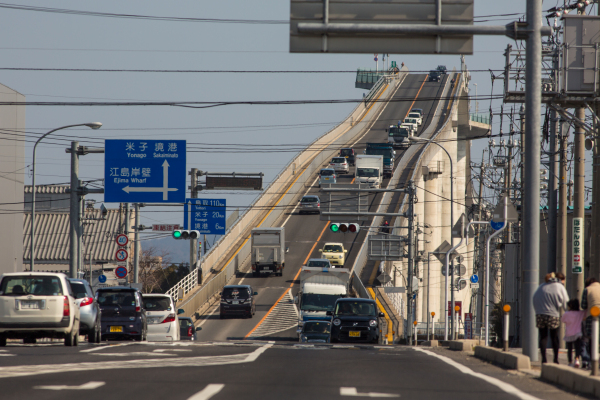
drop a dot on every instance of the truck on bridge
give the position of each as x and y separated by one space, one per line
398 135
369 170
319 290
387 151
268 250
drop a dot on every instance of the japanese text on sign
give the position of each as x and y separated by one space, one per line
577 261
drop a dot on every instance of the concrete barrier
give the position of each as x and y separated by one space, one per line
571 378
463 345
507 360
431 343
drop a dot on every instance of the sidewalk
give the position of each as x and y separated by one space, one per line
537 365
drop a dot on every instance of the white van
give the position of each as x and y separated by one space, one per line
38 305
161 315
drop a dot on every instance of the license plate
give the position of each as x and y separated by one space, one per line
235 302
354 333
116 329
30 305
266 269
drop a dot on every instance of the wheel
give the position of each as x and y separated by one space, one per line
255 274
30 340
2 341
93 334
300 212
138 338
221 316
72 339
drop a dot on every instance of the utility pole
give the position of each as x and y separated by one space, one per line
81 211
411 254
595 229
74 224
552 179
531 204
579 209
193 242
479 306
561 248
136 246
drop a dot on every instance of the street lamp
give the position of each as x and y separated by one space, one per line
93 125
423 140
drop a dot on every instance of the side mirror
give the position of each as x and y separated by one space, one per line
199 328
320 250
180 311
296 300
345 251
381 315
386 129
220 293
255 294
287 249
299 331
330 313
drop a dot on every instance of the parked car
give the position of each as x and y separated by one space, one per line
310 204
161 316
122 313
237 300
314 332
355 320
319 263
89 310
335 253
340 165
187 330
348 153
37 305
327 175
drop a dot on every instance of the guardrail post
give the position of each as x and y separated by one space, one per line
595 312
415 323
506 309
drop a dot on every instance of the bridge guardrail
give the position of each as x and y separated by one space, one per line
304 164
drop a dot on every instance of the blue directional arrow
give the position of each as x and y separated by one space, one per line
474 279
497 225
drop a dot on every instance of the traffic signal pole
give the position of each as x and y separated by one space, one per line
193 241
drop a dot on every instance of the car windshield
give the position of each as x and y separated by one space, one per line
318 302
318 263
367 172
338 160
386 152
414 115
235 293
361 308
317 327
157 303
35 285
395 131
332 248
114 298
78 289
410 120
327 172
346 152
309 199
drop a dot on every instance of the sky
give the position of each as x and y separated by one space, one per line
57 40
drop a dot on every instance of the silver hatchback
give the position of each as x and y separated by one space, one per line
88 309
310 204
340 165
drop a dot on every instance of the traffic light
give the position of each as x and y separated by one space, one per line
185 234
344 227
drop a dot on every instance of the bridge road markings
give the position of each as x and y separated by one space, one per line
86 386
291 285
105 346
350 391
506 387
208 392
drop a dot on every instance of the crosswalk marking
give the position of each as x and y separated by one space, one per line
283 317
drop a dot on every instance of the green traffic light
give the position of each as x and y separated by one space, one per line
177 234
334 227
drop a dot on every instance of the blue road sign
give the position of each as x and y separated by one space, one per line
121 272
102 279
496 225
474 279
205 215
149 171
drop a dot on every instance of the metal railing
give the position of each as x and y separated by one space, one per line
482 118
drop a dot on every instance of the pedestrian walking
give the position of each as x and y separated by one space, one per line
548 300
573 320
589 298
386 227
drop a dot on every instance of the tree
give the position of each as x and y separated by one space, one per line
151 268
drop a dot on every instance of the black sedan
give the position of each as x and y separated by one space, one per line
355 320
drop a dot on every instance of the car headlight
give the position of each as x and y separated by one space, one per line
336 322
340 257
373 322
304 338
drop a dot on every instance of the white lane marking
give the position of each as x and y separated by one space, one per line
163 350
508 388
134 354
208 392
350 391
86 386
6 355
30 370
283 317
104 346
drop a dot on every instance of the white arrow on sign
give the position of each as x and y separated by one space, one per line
86 386
165 189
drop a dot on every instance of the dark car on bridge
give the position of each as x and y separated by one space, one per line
348 152
237 300
122 313
314 332
434 76
355 320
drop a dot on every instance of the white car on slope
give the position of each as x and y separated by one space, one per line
161 315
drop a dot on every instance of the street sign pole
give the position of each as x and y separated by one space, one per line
194 195
74 212
136 245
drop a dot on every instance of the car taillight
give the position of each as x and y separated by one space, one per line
66 308
190 333
86 301
138 308
318 204
170 318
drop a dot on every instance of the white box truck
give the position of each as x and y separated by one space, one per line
369 170
268 250
319 289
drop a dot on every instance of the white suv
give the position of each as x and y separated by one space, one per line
162 317
37 305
